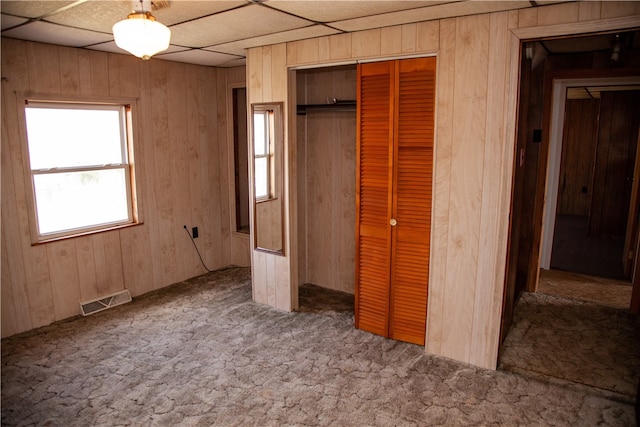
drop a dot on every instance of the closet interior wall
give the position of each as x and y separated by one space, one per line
326 166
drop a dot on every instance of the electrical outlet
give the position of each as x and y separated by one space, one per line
194 232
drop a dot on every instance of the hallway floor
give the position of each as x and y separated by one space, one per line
609 292
577 330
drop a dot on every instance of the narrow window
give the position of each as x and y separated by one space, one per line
263 154
79 158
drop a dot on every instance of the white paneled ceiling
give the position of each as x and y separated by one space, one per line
217 32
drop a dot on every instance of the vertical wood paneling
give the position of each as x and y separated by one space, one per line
10 320
267 82
428 36
528 17
340 45
616 9
64 278
365 43
299 52
86 268
589 10
578 156
278 74
69 70
558 14
469 101
391 40
488 302
44 68
446 73
176 141
196 113
409 32
113 261
164 243
324 49
40 61
178 146
100 262
267 87
219 231
14 293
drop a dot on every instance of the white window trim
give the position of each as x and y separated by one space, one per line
131 168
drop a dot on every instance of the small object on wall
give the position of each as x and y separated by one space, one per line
537 135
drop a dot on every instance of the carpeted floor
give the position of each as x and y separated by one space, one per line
200 353
578 341
600 290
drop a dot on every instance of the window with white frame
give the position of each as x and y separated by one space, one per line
263 154
79 162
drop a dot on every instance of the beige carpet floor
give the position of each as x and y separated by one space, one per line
600 290
201 353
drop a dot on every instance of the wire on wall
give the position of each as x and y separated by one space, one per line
197 250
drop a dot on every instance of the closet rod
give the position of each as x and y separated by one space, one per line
336 105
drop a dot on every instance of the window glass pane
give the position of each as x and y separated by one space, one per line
261 178
65 137
260 136
67 201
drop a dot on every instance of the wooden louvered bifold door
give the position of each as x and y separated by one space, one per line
413 167
373 196
395 194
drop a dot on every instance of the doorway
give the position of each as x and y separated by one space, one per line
533 207
593 149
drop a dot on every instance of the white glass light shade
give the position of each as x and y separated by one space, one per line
141 35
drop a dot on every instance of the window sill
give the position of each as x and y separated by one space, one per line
85 233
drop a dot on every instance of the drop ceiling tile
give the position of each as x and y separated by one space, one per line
238 47
246 22
332 10
31 9
100 15
93 15
187 10
9 21
197 56
235 63
439 11
56 34
113 48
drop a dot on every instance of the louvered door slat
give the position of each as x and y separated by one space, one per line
412 210
373 194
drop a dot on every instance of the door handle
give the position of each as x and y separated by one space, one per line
393 222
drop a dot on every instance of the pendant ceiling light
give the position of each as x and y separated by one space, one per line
141 35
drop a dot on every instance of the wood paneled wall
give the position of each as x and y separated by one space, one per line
327 179
181 160
475 132
272 275
615 159
578 156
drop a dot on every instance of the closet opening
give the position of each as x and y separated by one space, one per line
326 176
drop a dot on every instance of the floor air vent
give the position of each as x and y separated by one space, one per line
102 303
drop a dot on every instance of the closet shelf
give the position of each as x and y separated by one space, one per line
337 105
